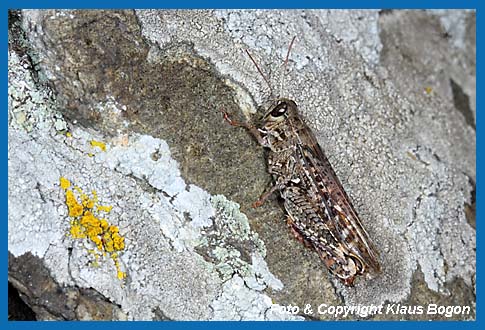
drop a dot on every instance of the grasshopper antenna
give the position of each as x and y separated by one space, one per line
260 72
285 65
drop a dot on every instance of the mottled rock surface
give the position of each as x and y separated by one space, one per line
127 103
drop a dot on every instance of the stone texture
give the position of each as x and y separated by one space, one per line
390 96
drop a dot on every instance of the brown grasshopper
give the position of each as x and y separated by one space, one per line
320 213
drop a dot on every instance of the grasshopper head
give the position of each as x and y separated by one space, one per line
280 110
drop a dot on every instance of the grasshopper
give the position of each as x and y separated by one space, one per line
320 213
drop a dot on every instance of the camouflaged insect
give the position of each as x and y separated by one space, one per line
320 213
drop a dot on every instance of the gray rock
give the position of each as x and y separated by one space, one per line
390 96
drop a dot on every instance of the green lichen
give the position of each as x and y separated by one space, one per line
231 241
30 105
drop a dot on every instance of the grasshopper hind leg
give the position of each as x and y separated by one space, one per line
296 233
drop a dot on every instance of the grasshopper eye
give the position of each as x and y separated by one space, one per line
279 110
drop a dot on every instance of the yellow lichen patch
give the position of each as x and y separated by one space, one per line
428 90
77 232
87 224
119 273
65 183
102 208
69 134
104 224
98 144
75 209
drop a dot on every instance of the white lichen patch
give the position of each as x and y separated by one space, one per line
29 110
238 302
261 276
444 253
146 158
180 209
196 203
110 106
454 23
359 28
29 107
